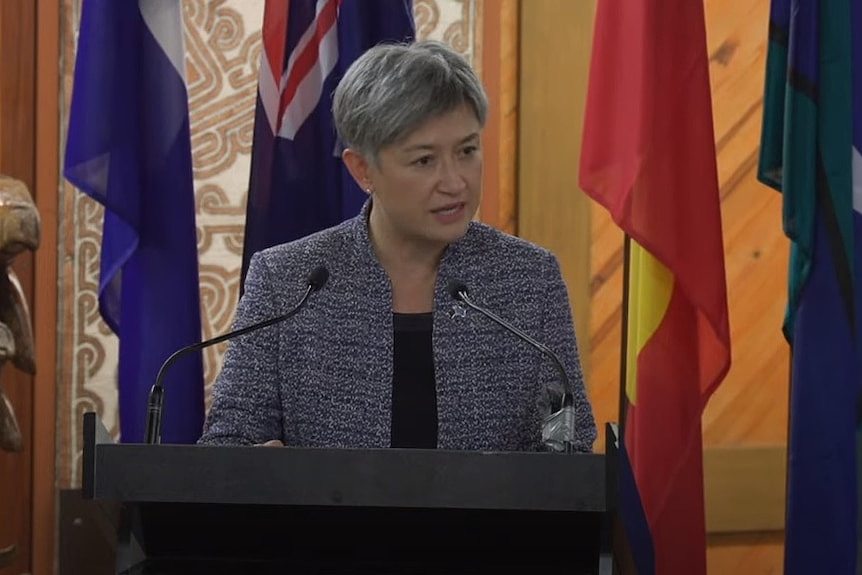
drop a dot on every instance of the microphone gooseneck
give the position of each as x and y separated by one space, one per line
316 280
458 290
559 427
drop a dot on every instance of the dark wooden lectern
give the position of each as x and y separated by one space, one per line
202 509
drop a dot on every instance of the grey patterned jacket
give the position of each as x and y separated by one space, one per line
324 377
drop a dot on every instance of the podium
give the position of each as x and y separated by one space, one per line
212 509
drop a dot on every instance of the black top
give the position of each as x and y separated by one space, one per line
414 392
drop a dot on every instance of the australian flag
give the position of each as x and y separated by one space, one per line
129 149
298 184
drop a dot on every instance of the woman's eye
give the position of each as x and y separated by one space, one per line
469 150
423 161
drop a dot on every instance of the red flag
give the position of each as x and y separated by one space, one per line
649 158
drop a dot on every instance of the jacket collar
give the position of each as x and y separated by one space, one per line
365 250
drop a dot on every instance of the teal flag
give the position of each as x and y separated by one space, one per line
810 143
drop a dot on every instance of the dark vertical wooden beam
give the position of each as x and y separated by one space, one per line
45 296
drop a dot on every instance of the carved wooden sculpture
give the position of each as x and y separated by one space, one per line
19 231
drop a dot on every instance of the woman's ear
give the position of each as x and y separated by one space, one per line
359 168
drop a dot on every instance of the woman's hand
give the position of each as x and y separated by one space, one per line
270 443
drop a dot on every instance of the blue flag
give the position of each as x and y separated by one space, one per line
810 152
129 149
298 183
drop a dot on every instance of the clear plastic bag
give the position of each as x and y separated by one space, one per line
558 428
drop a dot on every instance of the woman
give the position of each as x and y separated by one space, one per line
383 355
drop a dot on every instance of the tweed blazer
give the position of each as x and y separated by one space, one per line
324 377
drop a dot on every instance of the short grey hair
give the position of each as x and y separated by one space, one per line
393 88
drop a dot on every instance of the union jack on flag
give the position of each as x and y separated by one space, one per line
298 184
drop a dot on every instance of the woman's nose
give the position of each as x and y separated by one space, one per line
451 179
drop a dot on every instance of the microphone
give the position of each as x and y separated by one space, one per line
558 427
316 280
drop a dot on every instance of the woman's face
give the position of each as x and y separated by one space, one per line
426 188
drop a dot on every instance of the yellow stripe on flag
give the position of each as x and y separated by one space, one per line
650 287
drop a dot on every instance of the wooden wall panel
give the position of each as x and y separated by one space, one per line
17 85
44 310
750 407
748 414
499 66
556 40
748 554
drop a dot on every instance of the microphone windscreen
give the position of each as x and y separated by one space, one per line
318 277
456 288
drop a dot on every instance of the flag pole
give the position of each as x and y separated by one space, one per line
623 404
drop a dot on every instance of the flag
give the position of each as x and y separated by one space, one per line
298 183
129 149
648 156
810 152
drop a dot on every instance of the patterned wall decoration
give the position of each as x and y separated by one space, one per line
223 47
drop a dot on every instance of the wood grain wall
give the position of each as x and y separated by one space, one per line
745 424
556 39
499 70
29 151
17 160
748 413
45 295
750 407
